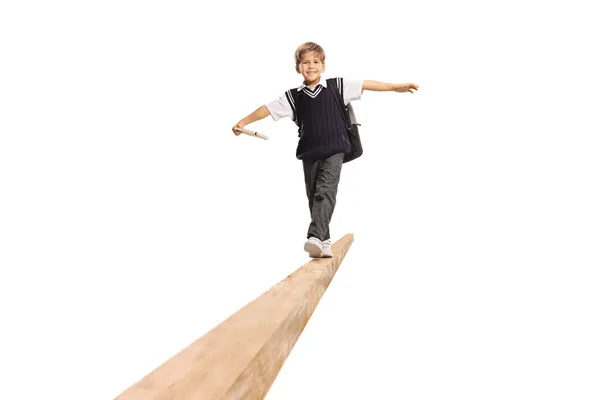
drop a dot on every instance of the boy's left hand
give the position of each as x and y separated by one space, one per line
406 87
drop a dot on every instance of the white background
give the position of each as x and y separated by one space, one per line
132 220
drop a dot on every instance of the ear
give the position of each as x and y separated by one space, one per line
323 67
297 68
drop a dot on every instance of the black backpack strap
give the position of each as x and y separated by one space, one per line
337 84
340 85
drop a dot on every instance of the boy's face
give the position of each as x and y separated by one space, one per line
311 68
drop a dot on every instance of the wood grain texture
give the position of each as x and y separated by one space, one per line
241 357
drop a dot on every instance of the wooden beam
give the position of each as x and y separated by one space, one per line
241 357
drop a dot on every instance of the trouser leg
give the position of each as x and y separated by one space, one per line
322 178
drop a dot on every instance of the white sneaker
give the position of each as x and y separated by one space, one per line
314 247
327 249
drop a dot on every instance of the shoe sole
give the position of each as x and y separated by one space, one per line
327 255
313 250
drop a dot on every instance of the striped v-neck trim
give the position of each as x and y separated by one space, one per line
313 93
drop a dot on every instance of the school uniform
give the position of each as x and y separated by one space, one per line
323 141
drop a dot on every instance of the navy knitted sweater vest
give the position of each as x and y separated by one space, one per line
320 125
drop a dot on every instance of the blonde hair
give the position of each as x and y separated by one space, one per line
307 48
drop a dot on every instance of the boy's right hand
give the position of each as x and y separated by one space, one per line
238 125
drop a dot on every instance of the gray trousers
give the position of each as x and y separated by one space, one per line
321 178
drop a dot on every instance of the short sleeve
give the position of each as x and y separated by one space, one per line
280 108
352 90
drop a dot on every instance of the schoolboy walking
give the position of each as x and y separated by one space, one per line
323 135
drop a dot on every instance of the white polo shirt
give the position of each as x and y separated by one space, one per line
281 108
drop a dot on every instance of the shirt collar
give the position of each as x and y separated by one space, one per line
322 82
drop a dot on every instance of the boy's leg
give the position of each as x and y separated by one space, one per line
313 245
324 179
311 172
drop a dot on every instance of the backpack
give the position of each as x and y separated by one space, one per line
349 119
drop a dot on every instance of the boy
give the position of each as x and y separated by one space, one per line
323 135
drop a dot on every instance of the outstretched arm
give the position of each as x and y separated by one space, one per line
388 87
260 113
